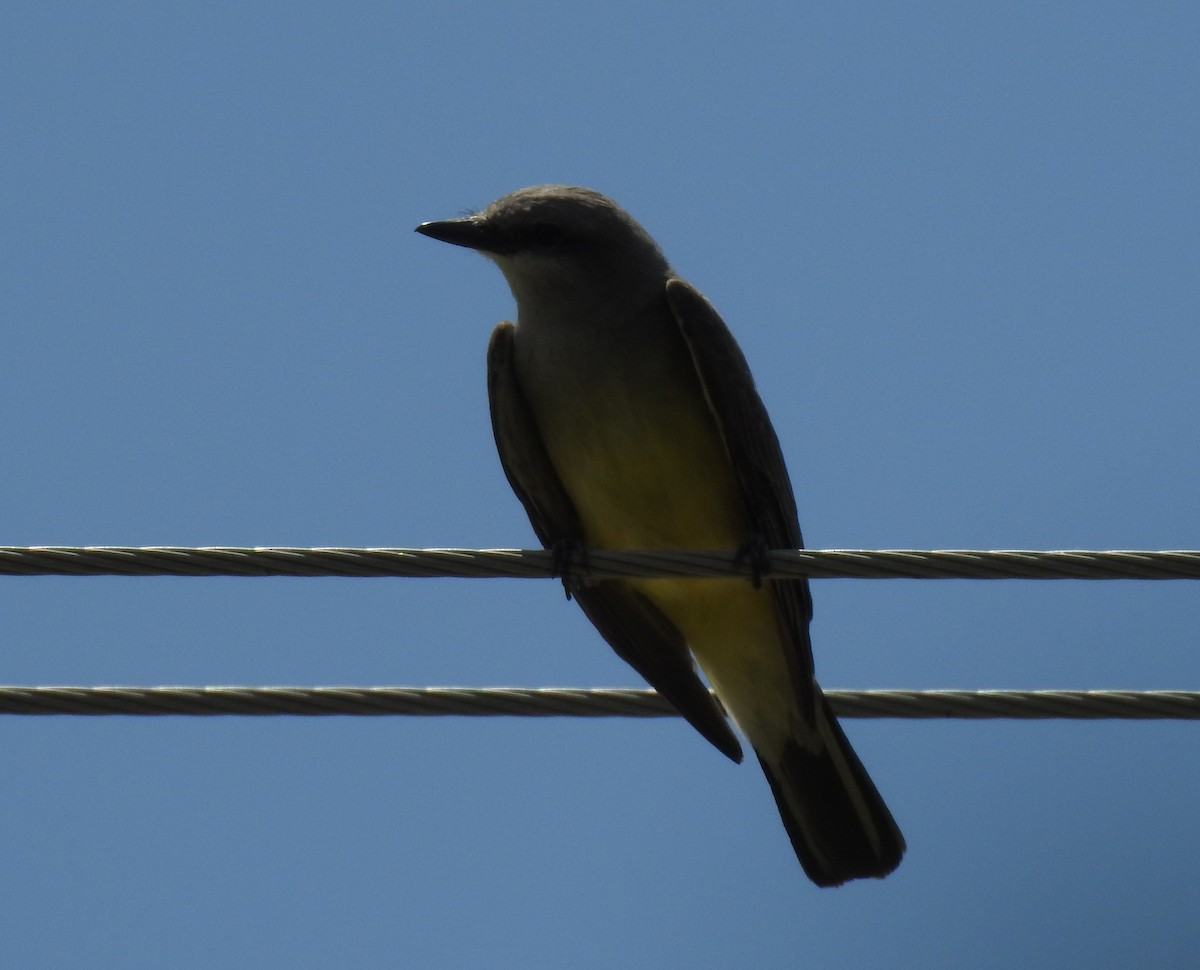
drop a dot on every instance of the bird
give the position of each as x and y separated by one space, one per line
626 417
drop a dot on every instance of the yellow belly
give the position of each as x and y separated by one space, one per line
670 485
650 477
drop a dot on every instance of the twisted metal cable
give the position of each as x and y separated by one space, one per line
597 564
552 702
355 701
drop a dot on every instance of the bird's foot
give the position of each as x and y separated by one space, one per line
755 552
565 556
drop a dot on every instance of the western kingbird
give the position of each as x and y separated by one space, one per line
626 418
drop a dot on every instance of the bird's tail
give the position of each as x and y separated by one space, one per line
838 823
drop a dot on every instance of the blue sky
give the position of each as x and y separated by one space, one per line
959 248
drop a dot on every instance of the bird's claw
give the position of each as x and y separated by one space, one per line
755 552
565 554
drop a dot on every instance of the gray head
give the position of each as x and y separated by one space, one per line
560 242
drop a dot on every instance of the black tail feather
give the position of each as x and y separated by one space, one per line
838 823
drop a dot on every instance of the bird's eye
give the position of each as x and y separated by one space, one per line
547 234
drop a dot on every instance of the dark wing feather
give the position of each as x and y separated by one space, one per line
522 455
757 460
632 625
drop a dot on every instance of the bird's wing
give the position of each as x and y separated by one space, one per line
757 460
640 634
522 455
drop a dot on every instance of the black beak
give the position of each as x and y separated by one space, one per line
467 232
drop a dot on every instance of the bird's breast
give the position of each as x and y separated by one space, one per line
625 422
